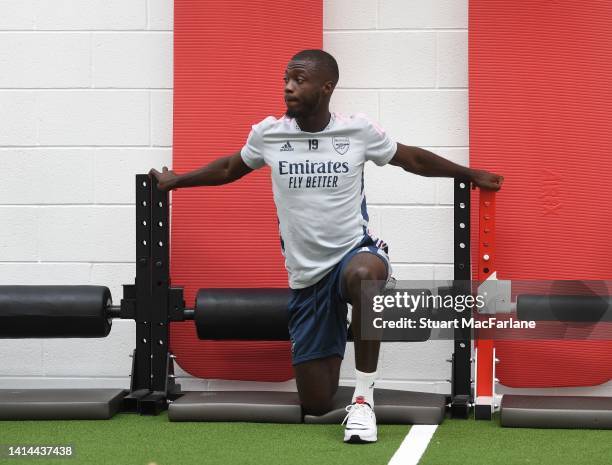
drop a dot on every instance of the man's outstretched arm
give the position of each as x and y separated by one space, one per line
220 171
425 163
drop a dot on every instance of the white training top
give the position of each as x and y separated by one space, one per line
317 180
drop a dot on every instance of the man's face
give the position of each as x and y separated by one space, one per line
304 88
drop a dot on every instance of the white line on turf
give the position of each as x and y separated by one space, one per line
414 445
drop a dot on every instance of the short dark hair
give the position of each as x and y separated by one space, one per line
323 60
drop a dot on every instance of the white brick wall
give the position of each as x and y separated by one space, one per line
86 94
405 64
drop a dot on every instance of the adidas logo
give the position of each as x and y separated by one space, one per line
286 147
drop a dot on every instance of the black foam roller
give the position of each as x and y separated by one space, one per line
54 311
570 308
252 314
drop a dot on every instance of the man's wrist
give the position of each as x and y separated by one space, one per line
465 172
174 183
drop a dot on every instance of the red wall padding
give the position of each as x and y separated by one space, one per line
229 59
541 114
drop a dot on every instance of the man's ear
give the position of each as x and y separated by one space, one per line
329 87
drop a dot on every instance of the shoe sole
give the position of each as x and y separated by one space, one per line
359 439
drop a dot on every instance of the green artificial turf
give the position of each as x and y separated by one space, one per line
130 439
470 442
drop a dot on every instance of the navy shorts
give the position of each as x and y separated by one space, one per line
318 324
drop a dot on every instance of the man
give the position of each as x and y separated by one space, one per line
316 160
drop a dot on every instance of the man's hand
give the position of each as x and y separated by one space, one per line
165 180
486 180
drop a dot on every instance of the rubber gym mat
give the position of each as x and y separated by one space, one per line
229 60
540 106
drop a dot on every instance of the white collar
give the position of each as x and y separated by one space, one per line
332 118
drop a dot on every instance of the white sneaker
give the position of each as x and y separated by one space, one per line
360 422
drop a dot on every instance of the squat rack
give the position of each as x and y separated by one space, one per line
154 303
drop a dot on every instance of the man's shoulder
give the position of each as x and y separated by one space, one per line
358 120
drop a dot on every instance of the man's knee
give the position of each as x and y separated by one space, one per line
361 273
370 275
318 405
364 272
317 382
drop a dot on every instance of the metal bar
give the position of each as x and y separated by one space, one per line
461 360
160 276
141 376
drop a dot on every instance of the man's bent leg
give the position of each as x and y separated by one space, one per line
363 278
367 273
317 383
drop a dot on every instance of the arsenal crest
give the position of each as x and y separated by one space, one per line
341 144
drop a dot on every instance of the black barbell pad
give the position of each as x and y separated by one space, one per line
570 308
54 311
249 314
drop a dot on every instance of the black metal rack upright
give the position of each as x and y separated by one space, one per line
461 383
150 300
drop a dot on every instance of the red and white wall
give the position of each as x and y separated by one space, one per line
86 99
